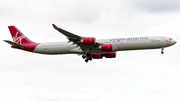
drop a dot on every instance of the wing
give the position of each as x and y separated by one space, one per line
77 40
72 37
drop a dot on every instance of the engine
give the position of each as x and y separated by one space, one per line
106 47
110 55
88 41
97 56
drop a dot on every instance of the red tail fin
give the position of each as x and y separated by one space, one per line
18 36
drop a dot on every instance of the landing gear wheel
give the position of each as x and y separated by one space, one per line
83 56
86 60
87 56
162 52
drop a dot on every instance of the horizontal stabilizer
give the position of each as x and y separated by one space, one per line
14 44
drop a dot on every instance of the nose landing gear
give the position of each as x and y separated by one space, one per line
162 52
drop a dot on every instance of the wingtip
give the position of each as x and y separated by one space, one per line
54 26
5 40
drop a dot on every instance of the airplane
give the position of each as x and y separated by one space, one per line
88 47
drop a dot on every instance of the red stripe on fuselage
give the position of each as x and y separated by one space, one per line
30 46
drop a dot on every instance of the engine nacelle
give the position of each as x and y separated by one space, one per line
97 56
106 47
110 55
88 41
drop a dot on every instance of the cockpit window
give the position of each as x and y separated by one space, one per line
170 38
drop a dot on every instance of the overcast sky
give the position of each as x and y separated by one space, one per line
141 75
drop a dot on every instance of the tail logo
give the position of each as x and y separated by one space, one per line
17 39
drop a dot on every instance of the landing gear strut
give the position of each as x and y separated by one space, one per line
162 52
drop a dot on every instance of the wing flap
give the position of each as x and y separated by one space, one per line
14 44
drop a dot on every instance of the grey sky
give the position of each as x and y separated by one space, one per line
157 6
143 75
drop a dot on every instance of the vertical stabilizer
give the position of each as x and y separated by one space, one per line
18 36
20 40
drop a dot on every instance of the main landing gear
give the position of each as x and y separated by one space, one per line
87 57
162 52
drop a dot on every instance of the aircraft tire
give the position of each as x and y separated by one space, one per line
83 56
86 60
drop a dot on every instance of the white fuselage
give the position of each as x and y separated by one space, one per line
119 44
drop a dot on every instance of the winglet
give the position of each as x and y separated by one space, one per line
54 26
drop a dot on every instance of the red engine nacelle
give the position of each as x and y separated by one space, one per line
88 41
110 55
97 56
106 47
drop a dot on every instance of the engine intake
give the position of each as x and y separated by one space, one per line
88 41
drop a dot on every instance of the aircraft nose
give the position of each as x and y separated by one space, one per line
174 42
